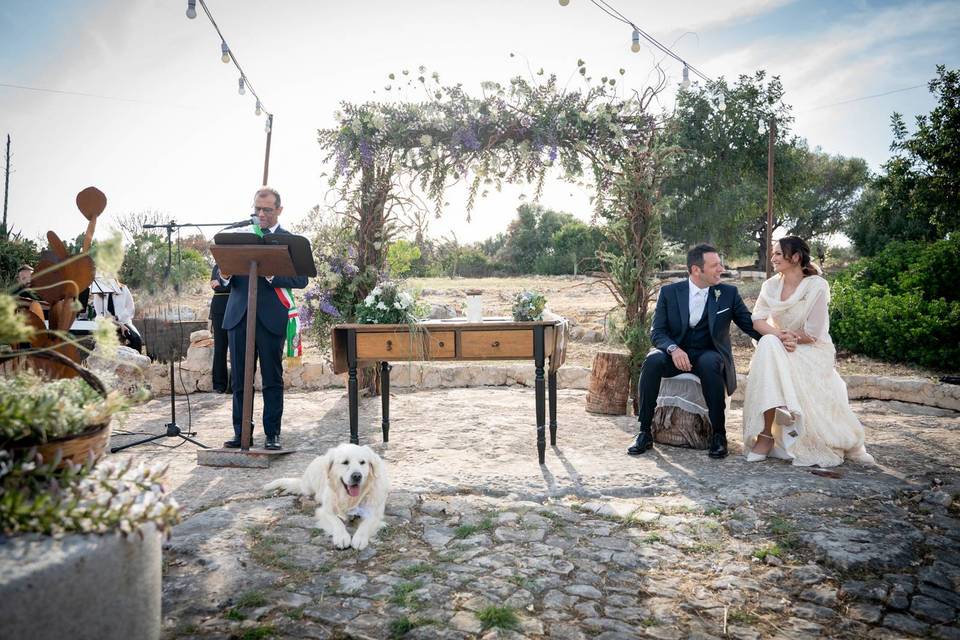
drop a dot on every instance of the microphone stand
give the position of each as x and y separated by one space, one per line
172 429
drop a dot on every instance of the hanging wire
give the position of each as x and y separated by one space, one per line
612 11
229 51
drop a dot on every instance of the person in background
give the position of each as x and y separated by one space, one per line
24 277
113 299
218 306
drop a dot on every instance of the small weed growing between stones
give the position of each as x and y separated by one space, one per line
523 582
653 538
781 526
252 599
739 616
712 511
649 622
494 617
234 614
467 530
295 614
402 626
402 593
266 551
415 570
258 633
769 550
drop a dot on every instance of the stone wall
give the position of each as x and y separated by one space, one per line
193 374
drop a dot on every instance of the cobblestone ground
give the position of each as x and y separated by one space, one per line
481 541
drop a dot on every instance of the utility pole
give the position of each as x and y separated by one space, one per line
6 189
767 251
266 155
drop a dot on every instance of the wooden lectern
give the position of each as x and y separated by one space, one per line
255 260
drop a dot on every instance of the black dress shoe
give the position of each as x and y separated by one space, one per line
273 443
643 442
235 443
718 446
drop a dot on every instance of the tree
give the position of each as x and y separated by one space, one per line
916 196
529 237
830 188
14 252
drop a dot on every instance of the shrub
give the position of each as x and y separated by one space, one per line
145 265
14 252
899 305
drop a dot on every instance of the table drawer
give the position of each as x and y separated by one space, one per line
496 344
390 346
405 346
442 345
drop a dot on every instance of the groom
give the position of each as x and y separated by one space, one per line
691 333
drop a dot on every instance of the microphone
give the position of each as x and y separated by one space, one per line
253 219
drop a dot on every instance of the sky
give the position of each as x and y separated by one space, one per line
161 127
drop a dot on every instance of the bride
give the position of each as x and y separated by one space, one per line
796 403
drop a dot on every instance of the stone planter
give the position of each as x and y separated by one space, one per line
81 586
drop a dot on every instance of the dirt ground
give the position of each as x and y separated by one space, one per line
583 300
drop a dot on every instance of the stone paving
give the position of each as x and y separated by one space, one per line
481 541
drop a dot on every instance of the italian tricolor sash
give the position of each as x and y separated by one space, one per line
294 346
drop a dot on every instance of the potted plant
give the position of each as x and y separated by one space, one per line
84 533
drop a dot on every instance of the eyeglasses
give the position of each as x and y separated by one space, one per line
266 210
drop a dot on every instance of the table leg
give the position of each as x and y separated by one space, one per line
385 399
552 395
352 385
538 357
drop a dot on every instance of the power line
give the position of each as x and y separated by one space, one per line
93 95
875 95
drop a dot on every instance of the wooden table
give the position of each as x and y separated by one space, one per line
444 341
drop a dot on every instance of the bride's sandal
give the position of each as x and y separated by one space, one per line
758 457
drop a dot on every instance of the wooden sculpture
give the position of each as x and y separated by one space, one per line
59 279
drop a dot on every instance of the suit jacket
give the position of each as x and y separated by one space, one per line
218 302
671 320
270 311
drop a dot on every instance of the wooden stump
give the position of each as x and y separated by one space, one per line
609 383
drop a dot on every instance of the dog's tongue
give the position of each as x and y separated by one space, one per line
353 490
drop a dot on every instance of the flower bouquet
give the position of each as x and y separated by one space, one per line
528 306
387 303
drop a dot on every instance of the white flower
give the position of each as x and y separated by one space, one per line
381 306
426 140
396 305
369 300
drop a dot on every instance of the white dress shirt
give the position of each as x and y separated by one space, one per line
698 302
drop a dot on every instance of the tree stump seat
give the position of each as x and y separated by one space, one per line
609 383
681 418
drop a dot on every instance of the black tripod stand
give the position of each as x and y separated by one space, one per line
173 429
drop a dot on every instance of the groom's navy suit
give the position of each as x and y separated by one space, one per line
270 336
707 344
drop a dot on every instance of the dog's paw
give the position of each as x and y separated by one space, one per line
360 541
341 539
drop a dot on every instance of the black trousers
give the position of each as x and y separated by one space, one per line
707 365
269 357
221 380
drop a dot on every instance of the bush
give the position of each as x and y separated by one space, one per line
900 306
14 252
145 265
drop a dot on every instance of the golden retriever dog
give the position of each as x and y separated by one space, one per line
347 481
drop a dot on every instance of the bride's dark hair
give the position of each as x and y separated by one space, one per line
791 245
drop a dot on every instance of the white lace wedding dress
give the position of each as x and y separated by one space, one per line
821 429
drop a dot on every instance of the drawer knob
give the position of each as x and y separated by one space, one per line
389 345
440 343
496 343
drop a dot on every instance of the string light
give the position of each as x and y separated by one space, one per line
611 11
564 3
259 110
191 9
241 90
721 102
226 52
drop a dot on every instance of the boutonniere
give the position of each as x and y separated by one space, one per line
716 294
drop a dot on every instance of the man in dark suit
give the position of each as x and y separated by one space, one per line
271 329
218 307
691 333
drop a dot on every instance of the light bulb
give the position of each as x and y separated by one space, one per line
241 90
226 52
191 9
268 125
721 102
564 3
259 110
686 77
635 47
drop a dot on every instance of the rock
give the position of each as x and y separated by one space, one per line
950 598
466 621
898 598
864 612
584 591
873 591
943 632
905 624
932 610
850 549
826 596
